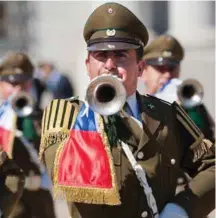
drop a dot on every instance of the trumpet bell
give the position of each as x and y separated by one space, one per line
190 93
23 104
106 95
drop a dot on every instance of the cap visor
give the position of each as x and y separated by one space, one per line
15 78
107 46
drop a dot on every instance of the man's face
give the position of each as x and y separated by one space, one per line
122 63
155 77
45 71
7 89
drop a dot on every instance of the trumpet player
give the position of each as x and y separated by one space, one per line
19 139
16 76
123 163
163 57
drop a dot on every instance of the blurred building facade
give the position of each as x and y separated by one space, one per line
53 31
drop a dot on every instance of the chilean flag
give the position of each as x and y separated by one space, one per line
84 161
7 126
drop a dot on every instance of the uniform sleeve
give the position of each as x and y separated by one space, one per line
199 162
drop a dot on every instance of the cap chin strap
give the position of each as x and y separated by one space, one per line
141 175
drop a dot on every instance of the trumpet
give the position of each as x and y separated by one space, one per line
22 103
190 93
106 95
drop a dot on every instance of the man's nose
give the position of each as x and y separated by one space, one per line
110 64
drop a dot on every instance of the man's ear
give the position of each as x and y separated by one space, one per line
141 67
87 63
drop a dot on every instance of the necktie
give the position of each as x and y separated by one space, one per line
127 108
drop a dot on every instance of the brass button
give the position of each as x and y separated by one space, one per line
173 161
144 214
180 180
140 155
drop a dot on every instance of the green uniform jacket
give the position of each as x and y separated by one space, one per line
166 145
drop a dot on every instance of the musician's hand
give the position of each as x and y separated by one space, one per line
172 210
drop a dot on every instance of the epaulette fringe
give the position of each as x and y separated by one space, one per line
202 149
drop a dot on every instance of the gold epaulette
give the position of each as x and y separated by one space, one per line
199 146
57 119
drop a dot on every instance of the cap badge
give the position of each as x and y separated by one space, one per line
11 78
167 54
18 71
111 32
110 10
160 59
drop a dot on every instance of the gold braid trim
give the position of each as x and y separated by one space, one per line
86 195
52 138
108 196
114 192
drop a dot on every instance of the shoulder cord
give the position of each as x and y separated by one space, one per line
141 175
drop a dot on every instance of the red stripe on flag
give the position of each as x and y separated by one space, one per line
84 161
5 136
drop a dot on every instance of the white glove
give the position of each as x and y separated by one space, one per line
172 210
32 182
35 182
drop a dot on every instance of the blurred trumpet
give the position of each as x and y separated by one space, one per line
22 103
190 93
106 94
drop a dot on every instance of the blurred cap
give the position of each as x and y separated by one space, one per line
16 67
113 27
164 50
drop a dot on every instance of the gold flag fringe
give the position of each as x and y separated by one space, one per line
87 195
